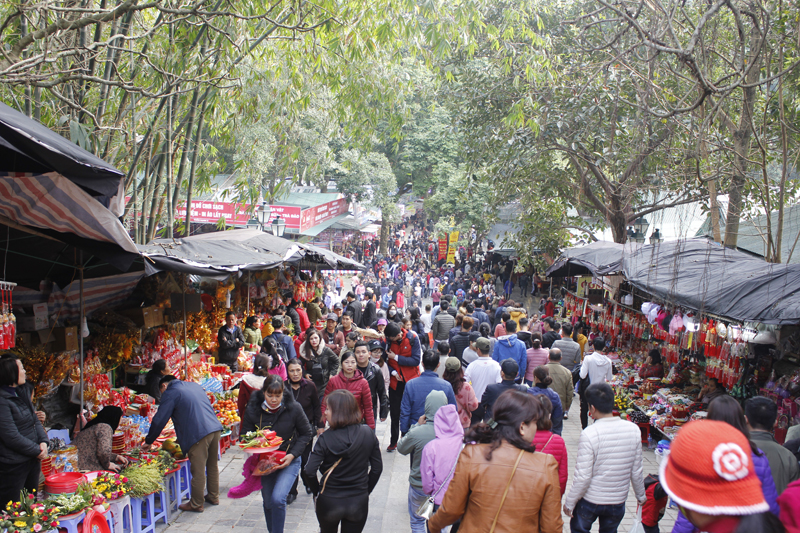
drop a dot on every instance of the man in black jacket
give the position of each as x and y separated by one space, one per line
508 371
354 306
372 373
551 335
370 314
230 338
460 341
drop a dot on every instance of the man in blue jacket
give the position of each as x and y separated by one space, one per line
510 347
284 340
416 392
197 429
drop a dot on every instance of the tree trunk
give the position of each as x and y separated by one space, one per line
195 151
384 233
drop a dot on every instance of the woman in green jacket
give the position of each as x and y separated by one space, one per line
252 334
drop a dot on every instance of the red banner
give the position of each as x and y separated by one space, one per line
313 216
207 212
290 214
442 248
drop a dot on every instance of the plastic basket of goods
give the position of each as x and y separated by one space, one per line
260 441
64 483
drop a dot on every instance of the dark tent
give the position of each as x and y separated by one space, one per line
590 259
707 277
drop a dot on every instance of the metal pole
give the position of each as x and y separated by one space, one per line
248 295
185 347
551 288
80 333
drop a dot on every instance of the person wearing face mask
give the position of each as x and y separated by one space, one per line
393 314
274 408
23 441
372 373
350 378
304 393
376 355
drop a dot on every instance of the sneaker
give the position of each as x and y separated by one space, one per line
391 448
566 416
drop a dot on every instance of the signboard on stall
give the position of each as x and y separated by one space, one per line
291 214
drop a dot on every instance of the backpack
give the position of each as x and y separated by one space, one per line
281 349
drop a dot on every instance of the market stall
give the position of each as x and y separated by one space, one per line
717 318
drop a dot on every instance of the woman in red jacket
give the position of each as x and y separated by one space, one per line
548 442
350 378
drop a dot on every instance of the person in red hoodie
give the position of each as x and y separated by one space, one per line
548 442
403 354
350 378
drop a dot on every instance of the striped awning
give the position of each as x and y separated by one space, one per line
65 303
56 205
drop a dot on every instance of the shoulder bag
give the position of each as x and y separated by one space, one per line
426 509
505 493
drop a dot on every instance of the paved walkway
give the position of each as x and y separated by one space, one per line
388 504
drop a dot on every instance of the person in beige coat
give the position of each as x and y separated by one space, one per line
501 484
562 380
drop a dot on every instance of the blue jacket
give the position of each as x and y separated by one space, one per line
287 343
416 392
510 347
557 416
481 318
191 412
764 473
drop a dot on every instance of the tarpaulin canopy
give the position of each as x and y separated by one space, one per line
707 277
588 260
205 257
64 304
28 146
291 252
45 219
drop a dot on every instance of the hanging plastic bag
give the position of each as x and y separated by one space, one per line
638 527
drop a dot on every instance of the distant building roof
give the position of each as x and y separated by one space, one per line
752 236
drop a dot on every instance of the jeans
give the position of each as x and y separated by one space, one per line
584 412
415 499
585 513
274 489
395 399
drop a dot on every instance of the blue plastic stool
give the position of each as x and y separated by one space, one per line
120 515
184 478
173 492
72 522
146 513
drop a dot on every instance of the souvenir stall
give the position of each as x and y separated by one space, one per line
745 350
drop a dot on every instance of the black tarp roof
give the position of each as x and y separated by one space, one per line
708 277
28 146
226 252
588 260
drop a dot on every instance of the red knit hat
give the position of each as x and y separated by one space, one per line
710 470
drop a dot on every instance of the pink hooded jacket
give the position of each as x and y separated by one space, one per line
440 454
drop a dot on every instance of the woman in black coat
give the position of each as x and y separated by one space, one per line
23 441
274 407
348 456
305 393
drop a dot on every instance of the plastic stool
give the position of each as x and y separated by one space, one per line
71 522
173 492
146 514
118 522
184 477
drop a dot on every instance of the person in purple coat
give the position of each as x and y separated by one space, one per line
440 455
726 409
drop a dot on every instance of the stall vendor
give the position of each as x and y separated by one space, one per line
252 334
94 442
231 339
153 379
652 366
710 390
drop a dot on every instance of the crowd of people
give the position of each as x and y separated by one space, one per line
476 387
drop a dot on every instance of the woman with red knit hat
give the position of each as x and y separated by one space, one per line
709 473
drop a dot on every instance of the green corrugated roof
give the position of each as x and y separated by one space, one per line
307 199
